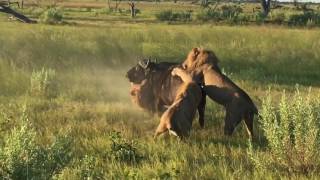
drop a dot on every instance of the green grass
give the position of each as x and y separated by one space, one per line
93 95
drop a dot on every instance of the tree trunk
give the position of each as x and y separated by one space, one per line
132 8
295 3
266 7
117 4
109 4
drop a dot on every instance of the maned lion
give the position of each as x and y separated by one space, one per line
153 88
221 89
177 119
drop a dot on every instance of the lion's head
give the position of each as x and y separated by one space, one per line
198 57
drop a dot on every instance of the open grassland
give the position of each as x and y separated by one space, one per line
74 118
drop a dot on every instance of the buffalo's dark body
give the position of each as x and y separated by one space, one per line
161 87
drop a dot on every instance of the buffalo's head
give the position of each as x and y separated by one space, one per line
139 72
140 91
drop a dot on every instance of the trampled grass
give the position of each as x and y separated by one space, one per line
93 98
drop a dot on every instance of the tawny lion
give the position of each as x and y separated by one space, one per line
177 119
221 89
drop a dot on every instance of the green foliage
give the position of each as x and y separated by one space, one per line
309 18
278 18
259 18
52 16
292 132
169 15
44 83
208 14
88 168
22 157
242 19
123 150
227 13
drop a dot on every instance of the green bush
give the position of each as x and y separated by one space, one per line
123 150
278 18
259 18
88 168
227 13
52 16
209 14
44 83
230 11
242 19
22 157
169 15
292 132
308 17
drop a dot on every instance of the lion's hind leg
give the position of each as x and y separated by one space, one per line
165 122
162 128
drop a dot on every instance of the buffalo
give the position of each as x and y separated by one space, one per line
154 88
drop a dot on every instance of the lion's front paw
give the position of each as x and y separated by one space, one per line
177 71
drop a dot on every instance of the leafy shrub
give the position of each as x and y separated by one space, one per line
52 16
292 132
230 11
259 18
88 9
209 14
278 18
123 150
137 11
169 15
164 15
22 158
44 83
227 13
88 168
242 19
308 17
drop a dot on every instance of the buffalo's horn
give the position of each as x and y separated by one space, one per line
144 63
147 62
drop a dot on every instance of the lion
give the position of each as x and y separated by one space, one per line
221 89
154 88
177 119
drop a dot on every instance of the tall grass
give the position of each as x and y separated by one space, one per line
254 49
292 131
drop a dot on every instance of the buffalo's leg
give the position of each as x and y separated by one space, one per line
202 108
